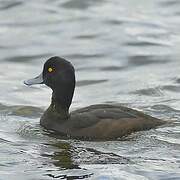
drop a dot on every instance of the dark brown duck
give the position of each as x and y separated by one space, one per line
96 122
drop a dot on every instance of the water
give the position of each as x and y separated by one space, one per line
123 51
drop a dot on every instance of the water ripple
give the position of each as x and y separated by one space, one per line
139 60
80 4
20 59
89 82
150 92
6 5
169 3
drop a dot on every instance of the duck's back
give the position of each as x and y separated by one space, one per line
109 122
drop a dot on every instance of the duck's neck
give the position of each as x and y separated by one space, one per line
60 106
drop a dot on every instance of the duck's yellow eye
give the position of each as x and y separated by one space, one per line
50 69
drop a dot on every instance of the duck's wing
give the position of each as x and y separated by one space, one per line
93 114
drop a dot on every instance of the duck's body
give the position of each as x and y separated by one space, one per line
99 122
96 122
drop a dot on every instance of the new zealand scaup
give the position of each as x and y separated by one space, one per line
95 122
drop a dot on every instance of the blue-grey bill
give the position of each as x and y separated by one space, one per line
36 80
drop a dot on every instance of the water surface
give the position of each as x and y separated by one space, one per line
123 52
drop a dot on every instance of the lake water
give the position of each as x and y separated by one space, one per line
124 52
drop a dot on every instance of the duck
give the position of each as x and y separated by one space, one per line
95 122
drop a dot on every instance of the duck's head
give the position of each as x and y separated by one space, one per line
59 75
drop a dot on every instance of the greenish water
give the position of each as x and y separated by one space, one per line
123 52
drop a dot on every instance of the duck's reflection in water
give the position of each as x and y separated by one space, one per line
69 158
63 158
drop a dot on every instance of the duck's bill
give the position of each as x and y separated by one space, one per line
36 80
